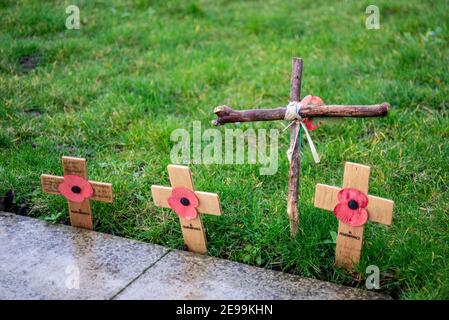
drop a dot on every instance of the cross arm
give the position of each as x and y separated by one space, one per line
208 202
160 195
51 183
226 114
102 191
380 210
326 196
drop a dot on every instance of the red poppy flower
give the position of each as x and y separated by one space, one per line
309 124
311 100
351 207
75 188
184 202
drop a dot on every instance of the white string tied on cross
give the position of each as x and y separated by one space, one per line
293 114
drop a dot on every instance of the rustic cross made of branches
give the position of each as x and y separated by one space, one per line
226 114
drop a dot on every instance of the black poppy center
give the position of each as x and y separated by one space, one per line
76 189
185 201
352 204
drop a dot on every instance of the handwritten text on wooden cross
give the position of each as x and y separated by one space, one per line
350 238
192 229
80 212
226 114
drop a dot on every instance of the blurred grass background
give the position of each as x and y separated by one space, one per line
114 91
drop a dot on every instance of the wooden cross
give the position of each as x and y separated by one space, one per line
226 114
192 229
80 212
350 238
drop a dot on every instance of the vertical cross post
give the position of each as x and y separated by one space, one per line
201 202
294 171
80 210
350 237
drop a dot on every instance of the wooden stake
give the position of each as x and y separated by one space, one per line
192 230
294 171
349 238
80 213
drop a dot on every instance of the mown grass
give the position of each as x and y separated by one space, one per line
114 91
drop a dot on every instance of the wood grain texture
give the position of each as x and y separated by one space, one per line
294 169
226 114
208 202
180 176
349 245
326 196
194 234
74 166
356 176
80 213
192 230
160 195
349 238
380 210
102 191
51 183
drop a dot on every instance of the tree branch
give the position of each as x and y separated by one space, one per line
294 170
226 114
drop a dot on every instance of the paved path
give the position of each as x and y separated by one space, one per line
39 260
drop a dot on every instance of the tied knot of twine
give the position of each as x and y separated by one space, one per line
293 111
293 114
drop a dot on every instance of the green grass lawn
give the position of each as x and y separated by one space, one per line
114 91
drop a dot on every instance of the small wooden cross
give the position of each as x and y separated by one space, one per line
226 114
192 227
80 210
350 238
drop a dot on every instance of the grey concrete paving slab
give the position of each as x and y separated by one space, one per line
184 275
39 260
